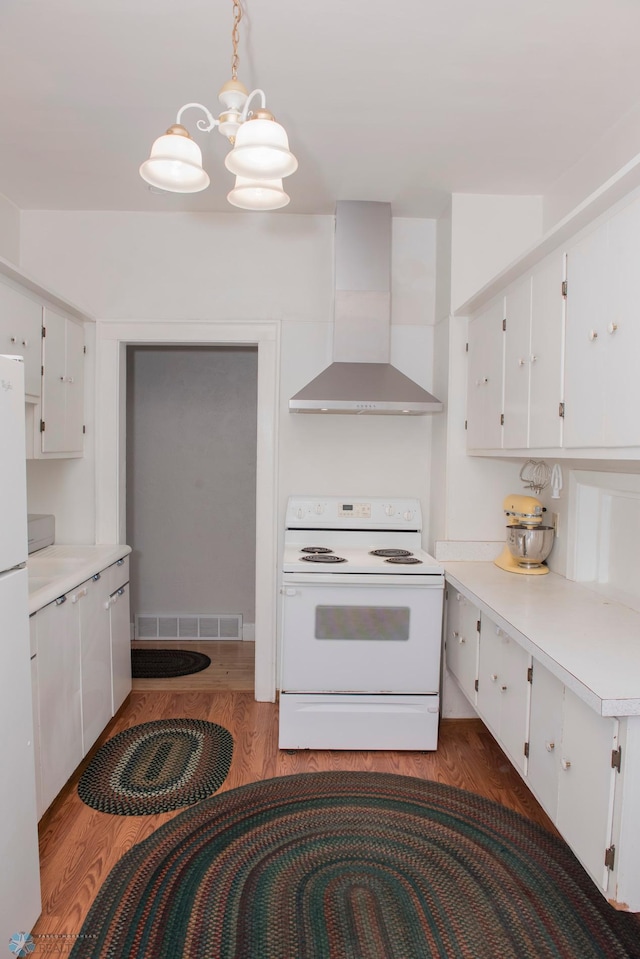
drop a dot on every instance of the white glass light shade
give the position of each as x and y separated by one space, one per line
175 165
261 151
251 194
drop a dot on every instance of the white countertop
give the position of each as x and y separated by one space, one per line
589 642
55 570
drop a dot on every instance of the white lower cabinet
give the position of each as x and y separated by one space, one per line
586 784
95 657
81 674
120 633
461 641
570 769
59 696
545 738
503 689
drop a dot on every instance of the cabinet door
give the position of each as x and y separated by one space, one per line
545 737
547 353
503 689
91 600
621 331
59 693
120 647
21 334
485 378
517 365
462 641
489 674
588 281
586 784
62 385
33 637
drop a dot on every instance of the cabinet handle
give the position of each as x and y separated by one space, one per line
503 689
494 677
25 343
534 358
13 339
79 595
612 327
549 747
566 764
521 362
593 335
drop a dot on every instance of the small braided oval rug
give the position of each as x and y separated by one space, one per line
166 663
352 866
157 767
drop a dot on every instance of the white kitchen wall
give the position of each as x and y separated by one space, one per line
488 233
135 266
191 480
9 230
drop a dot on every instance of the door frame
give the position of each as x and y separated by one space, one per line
112 339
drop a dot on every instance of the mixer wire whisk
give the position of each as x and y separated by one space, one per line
535 474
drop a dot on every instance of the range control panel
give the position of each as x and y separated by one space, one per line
333 512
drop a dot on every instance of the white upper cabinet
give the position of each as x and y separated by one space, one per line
485 378
546 355
602 387
517 365
62 386
21 333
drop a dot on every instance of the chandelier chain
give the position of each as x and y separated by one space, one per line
235 38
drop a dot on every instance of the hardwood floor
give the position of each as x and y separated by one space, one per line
232 665
79 845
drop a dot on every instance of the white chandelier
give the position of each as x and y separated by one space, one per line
260 157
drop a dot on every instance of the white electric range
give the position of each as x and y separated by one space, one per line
361 626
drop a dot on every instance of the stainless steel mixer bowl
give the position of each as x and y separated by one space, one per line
530 546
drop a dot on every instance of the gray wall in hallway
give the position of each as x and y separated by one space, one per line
191 479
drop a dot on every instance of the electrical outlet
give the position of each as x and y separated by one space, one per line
555 520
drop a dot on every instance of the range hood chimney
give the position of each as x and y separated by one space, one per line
361 379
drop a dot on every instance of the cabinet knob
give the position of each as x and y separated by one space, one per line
461 640
549 747
25 343
494 677
534 358
612 327
13 339
566 764
593 335
96 577
503 689
119 562
521 362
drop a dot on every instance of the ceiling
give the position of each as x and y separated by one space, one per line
400 102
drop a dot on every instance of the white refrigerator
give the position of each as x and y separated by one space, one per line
19 865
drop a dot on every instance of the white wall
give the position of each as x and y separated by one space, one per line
488 232
135 266
9 230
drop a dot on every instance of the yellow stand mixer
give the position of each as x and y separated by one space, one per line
529 542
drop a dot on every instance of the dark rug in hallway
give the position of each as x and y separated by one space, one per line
166 663
157 767
352 866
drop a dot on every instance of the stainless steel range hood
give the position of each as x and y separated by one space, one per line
361 380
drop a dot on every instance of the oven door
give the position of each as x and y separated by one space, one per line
361 638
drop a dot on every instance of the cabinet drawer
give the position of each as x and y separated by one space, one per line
118 574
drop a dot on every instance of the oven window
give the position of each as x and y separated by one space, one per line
385 623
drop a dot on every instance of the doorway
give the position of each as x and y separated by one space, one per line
111 376
190 493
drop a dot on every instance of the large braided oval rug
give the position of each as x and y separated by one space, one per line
352 866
